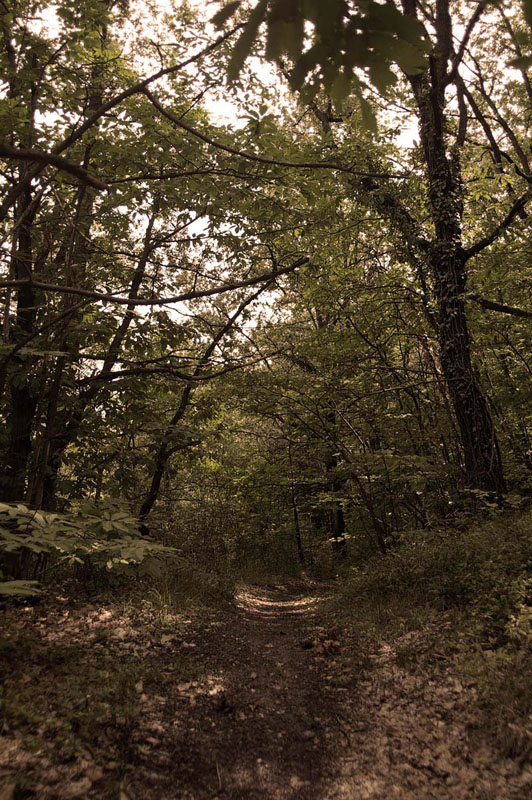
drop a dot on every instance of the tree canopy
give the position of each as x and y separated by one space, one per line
297 230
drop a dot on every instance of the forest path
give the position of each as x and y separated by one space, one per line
292 707
267 698
261 721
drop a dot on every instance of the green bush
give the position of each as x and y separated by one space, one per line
106 536
485 570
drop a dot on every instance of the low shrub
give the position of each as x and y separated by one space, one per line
102 537
485 570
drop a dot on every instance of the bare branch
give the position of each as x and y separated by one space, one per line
173 372
465 40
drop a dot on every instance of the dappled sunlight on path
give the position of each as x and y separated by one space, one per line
264 699
274 603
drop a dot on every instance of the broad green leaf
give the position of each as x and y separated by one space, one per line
20 588
225 13
381 75
523 62
284 37
527 10
245 41
368 117
340 88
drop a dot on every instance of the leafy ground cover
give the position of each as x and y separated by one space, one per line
274 696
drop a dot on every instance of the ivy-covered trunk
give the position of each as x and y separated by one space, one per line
482 459
447 262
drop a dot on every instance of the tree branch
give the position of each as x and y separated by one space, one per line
491 305
261 159
159 301
515 210
25 154
465 40
76 134
173 372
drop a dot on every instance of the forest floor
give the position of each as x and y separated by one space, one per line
267 698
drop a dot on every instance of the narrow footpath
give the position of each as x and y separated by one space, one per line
292 708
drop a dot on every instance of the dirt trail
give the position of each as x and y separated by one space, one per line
288 710
265 700
265 729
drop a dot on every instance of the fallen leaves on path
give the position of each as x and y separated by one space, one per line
269 699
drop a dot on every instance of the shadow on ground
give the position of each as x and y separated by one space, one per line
265 731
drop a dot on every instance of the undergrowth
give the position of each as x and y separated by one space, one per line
480 582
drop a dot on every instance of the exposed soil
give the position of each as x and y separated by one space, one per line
265 700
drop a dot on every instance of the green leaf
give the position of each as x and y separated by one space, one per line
523 62
225 13
391 19
410 59
245 41
369 119
284 37
381 75
20 588
305 64
527 10
340 88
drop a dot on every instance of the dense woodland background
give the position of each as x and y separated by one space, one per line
308 322
266 291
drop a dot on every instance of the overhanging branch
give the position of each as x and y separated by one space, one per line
100 112
491 305
158 301
25 154
261 159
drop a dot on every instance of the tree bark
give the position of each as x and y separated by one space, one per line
447 261
23 399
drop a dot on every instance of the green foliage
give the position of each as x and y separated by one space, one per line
104 535
484 571
19 588
527 9
373 38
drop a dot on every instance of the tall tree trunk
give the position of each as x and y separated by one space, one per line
20 417
336 512
447 261
23 398
60 433
482 458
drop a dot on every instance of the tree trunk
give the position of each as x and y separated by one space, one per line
482 458
23 399
447 260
